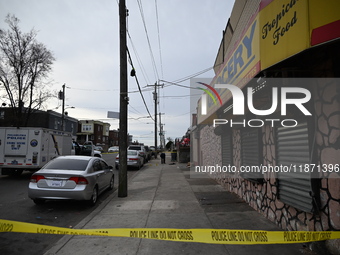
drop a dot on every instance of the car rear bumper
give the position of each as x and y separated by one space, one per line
80 192
131 164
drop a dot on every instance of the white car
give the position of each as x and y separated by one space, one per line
134 159
113 149
141 150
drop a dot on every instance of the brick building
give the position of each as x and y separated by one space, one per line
95 131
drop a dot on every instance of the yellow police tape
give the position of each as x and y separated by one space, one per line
212 236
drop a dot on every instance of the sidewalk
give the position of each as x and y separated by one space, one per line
164 196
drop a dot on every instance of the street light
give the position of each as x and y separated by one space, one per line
71 107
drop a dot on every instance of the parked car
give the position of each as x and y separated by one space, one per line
134 159
71 177
113 149
140 149
99 148
97 154
87 149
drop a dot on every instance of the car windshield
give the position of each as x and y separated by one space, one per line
67 164
135 148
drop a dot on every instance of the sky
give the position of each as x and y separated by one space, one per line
169 41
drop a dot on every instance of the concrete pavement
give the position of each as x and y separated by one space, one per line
167 196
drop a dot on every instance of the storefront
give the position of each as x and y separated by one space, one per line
270 48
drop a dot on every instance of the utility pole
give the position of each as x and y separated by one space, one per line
155 98
123 109
62 97
161 131
156 102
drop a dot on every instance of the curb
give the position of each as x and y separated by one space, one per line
66 238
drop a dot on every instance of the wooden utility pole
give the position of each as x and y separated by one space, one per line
156 102
123 109
161 143
62 97
155 98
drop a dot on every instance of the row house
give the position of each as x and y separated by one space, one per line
95 131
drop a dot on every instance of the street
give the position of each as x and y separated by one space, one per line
15 205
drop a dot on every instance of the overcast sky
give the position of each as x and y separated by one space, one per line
83 36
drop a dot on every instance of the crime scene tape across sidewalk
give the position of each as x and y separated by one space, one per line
212 236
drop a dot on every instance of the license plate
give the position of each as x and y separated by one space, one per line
56 183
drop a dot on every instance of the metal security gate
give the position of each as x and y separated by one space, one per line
251 153
293 152
227 149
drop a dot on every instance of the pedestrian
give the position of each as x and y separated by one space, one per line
162 158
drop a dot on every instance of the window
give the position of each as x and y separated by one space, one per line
56 124
97 166
67 164
103 165
87 127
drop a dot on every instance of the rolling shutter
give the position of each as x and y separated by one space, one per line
251 152
227 151
293 150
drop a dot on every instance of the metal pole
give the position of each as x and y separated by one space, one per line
122 186
63 109
155 98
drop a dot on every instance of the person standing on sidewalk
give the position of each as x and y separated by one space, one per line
162 158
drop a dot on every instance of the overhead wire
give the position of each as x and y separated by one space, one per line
159 40
139 88
193 75
148 39
146 78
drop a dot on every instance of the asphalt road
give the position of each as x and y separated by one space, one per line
15 205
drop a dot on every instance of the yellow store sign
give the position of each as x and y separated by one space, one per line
278 29
283 30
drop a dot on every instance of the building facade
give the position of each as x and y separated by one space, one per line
113 138
275 53
95 131
45 119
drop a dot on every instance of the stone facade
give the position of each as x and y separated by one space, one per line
264 197
319 59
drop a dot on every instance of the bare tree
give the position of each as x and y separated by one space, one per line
24 63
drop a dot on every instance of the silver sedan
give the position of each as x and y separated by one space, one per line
71 177
134 159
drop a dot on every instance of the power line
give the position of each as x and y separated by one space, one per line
146 78
193 75
183 96
159 40
101 90
179 85
148 39
140 91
